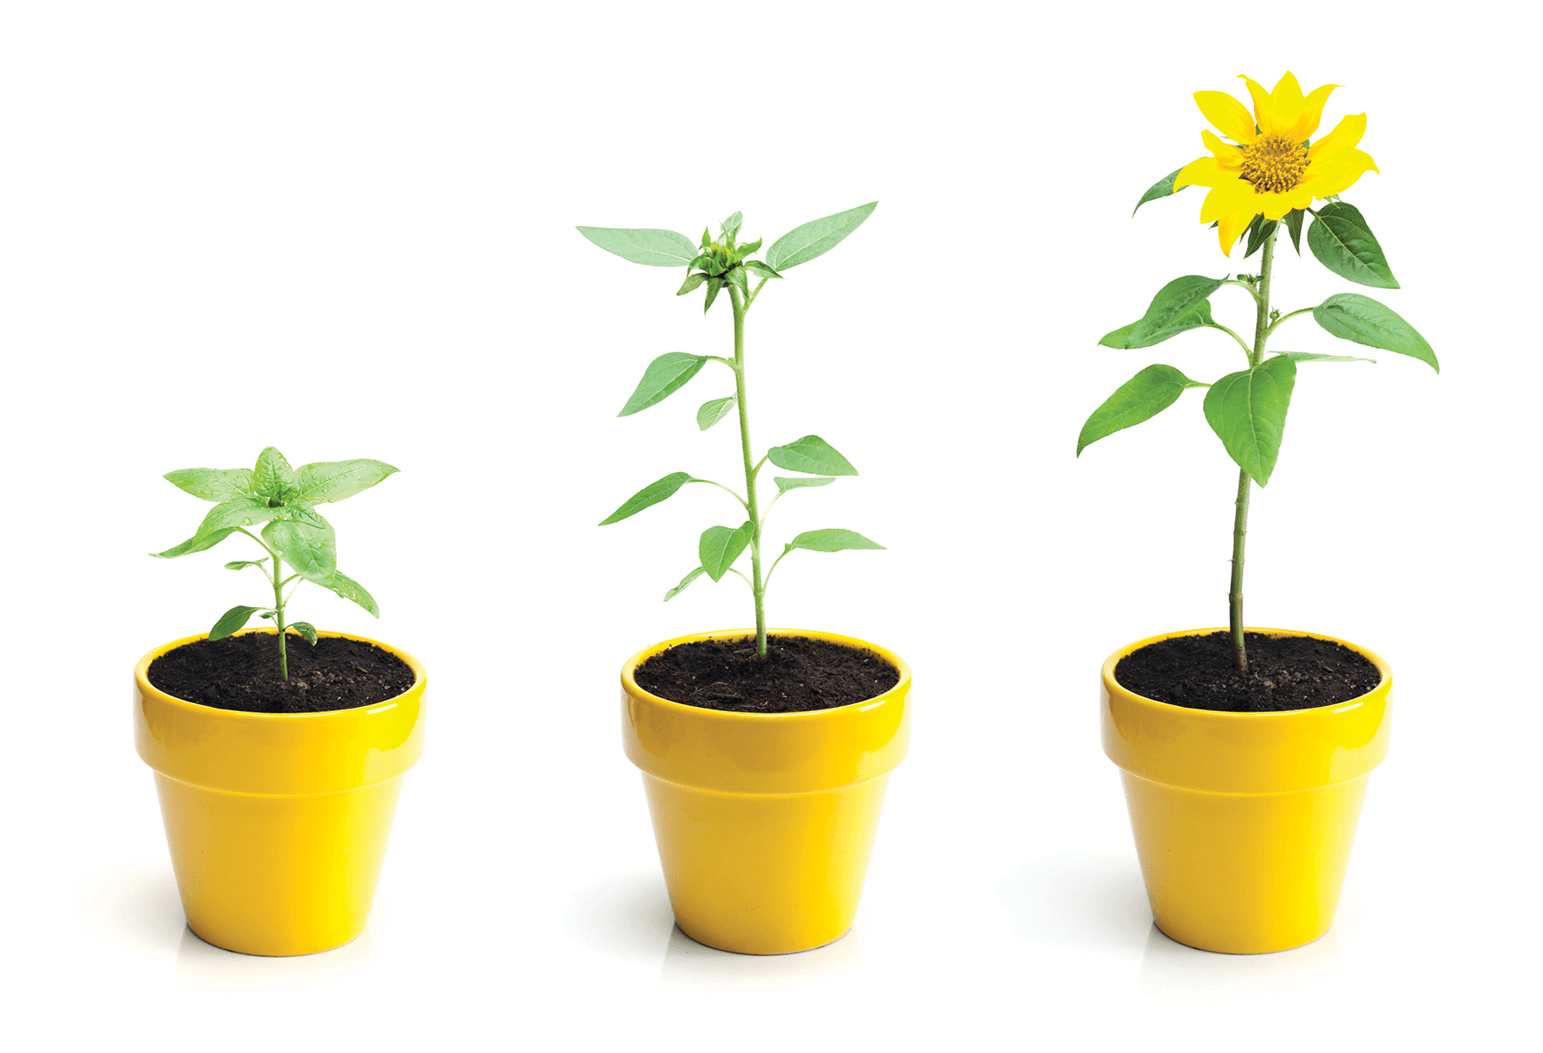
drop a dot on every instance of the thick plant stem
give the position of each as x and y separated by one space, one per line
278 615
1245 483
757 587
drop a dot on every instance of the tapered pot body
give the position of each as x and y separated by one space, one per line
277 823
1244 822
765 822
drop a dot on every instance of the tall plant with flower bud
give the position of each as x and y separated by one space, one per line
720 264
1266 174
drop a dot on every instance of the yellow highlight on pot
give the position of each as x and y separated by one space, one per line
277 823
765 821
1244 822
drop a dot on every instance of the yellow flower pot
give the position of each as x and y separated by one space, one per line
277 823
765 821
1244 821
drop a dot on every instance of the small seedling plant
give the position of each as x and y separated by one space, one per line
723 265
298 544
1267 177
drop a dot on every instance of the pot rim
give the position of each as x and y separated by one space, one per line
630 684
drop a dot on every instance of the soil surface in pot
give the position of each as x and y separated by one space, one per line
797 675
242 673
1284 672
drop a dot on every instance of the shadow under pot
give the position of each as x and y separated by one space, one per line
277 822
1244 822
765 822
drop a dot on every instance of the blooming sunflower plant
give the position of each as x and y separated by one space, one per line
1264 171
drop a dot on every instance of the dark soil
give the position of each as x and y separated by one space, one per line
797 675
242 673
1284 672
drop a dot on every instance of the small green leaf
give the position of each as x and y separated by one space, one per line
197 543
273 475
242 564
1247 410
1344 243
1195 319
810 454
311 549
1294 226
1351 316
1140 398
712 412
757 267
731 225
350 589
1259 231
232 620
713 285
1162 188
664 376
815 238
784 483
213 484
645 245
651 494
326 481
692 281
831 539
745 250
738 280
1173 303
720 546
687 580
1309 356
307 630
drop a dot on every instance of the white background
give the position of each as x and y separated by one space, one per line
347 230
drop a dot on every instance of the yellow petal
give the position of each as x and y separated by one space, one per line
1275 206
1286 104
1202 171
1263 110
1337 174
1225 198
1227 114
1224 152
1311 113
1231 227
1345 136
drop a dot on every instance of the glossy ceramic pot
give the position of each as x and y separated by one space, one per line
277 823
765 821
1244 822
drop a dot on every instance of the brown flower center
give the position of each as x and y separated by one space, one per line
1274 164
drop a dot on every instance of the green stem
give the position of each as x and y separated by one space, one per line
278 615
1292 314
756 587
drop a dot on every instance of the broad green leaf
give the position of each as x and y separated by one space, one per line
1140 398
731 225
1162 188
1259 231
307 630
1247 411
651 494
242 564
720 546
757 267
1293 223
815 238
737 279
312 550
350 589
1344 243
1309 356
213 484
1173 303
273 474
645 245
664 376
1351 316
831 539
325 481
712 412
196 543
713 285
693 280
222 521
1195 319
231 620
784 483
687 580
810 454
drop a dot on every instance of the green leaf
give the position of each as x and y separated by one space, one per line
1162 188
232 620
712 412
810 454
350 589
737 278
1247 410
1294 226
1173 304
311 549
815 238
307 630
222 521
651 494
1195 319
1259 231
645 245
1344 243
747 249
664 376
272 475
731 225
784 484
1140 398
1351 316
1309 356
757 267
687 580
713 285
692 281
213 484
242 564
196 543
326 481
720 546
831 539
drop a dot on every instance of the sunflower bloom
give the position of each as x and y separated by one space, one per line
1272 165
